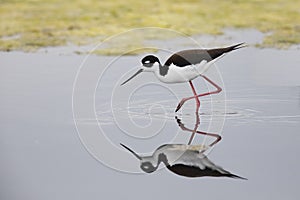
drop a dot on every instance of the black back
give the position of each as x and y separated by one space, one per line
195 56
193 171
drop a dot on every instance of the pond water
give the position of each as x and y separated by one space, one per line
45 156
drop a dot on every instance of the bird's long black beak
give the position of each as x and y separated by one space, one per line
140 70
135 154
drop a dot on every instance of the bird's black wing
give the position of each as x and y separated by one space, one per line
193 171
195 56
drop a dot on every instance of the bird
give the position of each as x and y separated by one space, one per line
184 66
183 160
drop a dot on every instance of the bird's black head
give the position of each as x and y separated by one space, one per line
150 60
148 167
147 66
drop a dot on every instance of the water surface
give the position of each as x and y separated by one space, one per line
42 156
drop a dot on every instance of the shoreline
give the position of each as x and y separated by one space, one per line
112 47
30 26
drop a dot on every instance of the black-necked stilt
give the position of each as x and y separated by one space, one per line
184 66
183 160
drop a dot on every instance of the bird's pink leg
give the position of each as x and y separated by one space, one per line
195 94
219 89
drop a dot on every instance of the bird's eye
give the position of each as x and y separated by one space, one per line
147 167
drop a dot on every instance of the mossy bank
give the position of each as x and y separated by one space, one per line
31 24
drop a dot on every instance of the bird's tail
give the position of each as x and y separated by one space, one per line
235 176
236 46
215 53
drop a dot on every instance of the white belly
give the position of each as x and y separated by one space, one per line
183 74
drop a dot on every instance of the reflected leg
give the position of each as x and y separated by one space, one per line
181 125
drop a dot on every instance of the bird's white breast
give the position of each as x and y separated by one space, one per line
177 74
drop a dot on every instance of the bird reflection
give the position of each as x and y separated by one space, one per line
184 159
181 159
